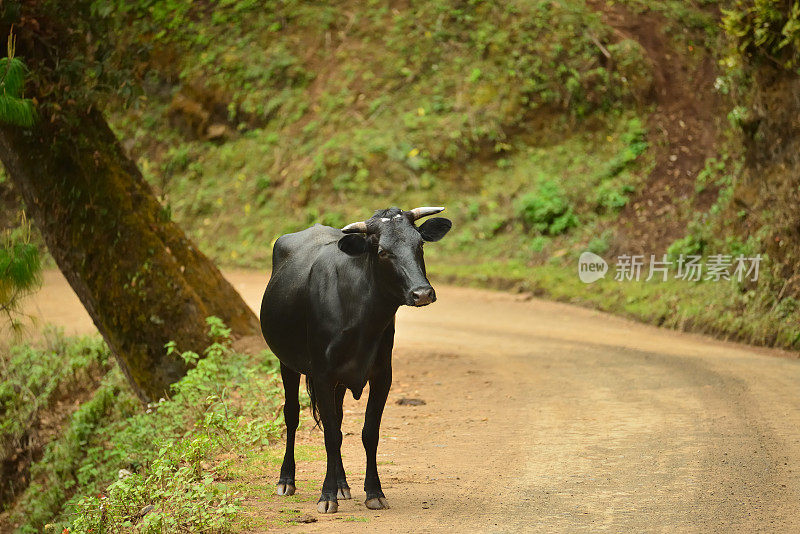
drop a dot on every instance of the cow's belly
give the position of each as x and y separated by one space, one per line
353 363
350 364
283 325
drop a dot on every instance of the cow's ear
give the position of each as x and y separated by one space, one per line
435 229
353 244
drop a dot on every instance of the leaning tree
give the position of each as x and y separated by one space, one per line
141 279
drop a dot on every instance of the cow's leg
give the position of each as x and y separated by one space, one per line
341 477
379 385
325 394
291 415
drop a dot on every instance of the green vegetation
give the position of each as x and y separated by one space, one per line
403 106
20 268
769 30
546 210
510 114
528 120
34 379
14 109
159 461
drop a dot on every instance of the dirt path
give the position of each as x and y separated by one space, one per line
551 418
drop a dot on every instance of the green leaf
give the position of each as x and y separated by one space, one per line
17 111
12 76
14 109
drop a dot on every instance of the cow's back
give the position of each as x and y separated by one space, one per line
300 248
286 306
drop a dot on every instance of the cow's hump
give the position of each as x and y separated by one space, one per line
305 243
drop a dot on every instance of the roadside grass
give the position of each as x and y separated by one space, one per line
591 172
724 309
35 379
253 478
39 391
119 466
205 459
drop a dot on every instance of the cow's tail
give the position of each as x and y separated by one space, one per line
313 397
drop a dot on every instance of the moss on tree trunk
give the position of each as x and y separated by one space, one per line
141 279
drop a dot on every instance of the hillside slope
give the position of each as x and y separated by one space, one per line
546 129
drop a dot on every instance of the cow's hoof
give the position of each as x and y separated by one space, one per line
285 489
377 503
343 493
327 507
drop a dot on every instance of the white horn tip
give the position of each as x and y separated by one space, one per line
425 211
355 227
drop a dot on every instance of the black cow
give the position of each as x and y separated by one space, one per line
328 313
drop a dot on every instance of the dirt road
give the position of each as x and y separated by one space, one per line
544 417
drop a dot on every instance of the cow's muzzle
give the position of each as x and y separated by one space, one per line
421 296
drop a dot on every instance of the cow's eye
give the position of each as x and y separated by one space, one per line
383 253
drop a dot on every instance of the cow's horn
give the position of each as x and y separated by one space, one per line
355 228
424 211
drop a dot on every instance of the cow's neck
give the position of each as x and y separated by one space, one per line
383 307
386 301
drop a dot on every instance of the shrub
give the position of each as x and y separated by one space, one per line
122 467
612 197
600 244
766 30
547 209
689 245
634 144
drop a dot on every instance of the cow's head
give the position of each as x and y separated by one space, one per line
394 243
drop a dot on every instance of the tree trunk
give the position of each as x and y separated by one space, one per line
143 282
